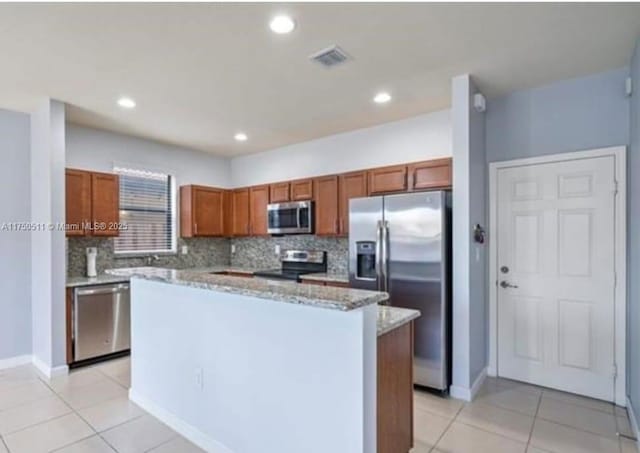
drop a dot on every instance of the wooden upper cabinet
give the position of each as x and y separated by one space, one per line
78 201
431 174
301 190
279 192
388 179
350 185
240 212
201 211
105 203
258 201
227 209
326 209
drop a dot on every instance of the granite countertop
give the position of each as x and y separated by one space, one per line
390 318
102 279
327 277
343 299
107 278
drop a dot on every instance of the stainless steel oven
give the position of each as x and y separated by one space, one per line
290 218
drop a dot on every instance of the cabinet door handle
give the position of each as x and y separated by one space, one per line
195 228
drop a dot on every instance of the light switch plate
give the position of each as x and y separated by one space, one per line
233 248
185 249
277 249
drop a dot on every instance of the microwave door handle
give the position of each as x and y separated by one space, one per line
299 213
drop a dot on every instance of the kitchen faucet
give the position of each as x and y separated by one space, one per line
151 259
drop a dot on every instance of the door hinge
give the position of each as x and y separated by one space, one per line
614 371
615 187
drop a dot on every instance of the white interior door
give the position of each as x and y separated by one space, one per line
556 275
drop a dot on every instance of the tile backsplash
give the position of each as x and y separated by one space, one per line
254 252
203 252
259 252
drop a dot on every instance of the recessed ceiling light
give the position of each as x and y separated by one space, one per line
241 137
282 24
382 98
126 103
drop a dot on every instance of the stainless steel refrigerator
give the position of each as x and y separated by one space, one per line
401 244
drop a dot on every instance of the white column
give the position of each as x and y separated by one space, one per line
48 245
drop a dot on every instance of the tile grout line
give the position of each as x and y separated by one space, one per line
444 431
535 417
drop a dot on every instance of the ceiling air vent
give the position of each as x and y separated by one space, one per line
330 57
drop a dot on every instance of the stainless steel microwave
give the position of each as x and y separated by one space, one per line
290 218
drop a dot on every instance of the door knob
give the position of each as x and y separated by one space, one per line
505 284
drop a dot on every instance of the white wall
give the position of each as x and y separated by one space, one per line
469 282
97 150
276 377
15 247
419 138
48 245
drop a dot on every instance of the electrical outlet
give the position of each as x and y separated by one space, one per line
277 249
233 248
185 249
199 378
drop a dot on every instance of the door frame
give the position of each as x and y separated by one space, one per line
620 227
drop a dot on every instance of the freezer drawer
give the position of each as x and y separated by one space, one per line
101 321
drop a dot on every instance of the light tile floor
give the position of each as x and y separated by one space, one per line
509 416
89 412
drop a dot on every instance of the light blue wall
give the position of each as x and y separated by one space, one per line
571 115
15 247
633 339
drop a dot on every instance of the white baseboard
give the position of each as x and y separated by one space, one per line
467 394
188 431
13 362
47 371
634 422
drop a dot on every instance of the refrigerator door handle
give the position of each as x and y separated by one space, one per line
385 256
379 258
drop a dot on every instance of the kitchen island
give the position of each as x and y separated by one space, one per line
253 365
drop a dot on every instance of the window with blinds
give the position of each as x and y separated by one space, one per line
146 208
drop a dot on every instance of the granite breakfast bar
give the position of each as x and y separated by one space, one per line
253 365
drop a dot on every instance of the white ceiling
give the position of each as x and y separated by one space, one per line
202 72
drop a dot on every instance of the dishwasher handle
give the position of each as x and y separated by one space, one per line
103 290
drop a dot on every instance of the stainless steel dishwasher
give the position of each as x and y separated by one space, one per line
101 321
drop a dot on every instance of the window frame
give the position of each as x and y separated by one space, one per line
173 200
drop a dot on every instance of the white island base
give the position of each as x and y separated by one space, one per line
237 373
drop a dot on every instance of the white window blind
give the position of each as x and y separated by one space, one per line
146 208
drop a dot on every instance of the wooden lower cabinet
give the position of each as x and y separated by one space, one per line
395 390
69 324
